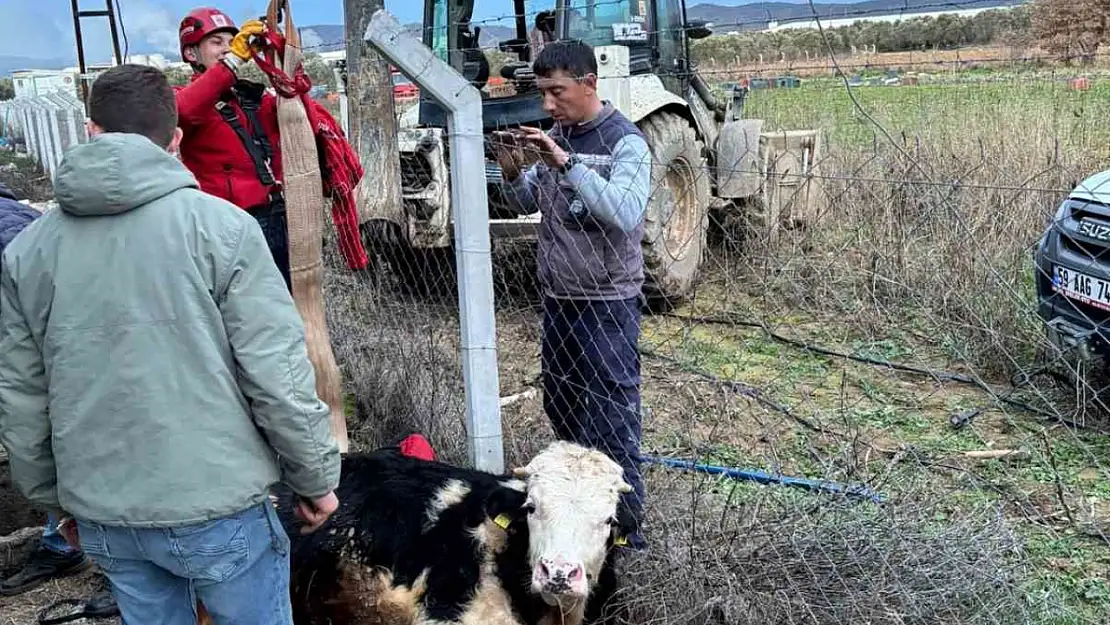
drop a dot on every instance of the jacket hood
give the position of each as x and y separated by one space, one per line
116 172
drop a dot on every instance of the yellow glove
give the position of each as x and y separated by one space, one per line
240 45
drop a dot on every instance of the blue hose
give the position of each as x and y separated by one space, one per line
763 477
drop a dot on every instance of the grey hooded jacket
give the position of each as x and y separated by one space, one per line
153 367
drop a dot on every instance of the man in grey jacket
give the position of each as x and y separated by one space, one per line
591 190
154 378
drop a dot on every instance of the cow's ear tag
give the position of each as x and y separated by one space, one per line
621 541
503 521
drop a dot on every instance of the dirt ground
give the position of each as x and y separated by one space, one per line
26 180
15 512
24 609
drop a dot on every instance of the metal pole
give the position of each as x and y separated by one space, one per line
340 71
80 52
469 205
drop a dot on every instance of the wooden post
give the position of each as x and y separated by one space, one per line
373 129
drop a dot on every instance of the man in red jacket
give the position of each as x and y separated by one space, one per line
230 134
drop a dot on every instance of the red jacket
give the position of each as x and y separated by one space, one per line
223 167
212 150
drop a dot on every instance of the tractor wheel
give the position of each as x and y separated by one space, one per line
676 221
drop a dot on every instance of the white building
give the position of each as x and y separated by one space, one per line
30 83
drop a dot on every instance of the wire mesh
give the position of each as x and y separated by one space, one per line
883 429
879 426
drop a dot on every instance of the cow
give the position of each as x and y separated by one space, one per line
417 542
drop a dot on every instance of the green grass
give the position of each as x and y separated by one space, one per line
941 109
1067 581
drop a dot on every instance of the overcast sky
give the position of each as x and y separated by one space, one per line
43 29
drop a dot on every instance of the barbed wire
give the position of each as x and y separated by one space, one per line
669 30
910 12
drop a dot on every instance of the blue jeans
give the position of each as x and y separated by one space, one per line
52 539
591 364
237 566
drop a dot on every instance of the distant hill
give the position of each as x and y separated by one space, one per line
725 15
9 64
330 37
749 16
755 16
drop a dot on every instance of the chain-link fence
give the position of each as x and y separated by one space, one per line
856 409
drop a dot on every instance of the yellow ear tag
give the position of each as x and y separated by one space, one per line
620 541
502 521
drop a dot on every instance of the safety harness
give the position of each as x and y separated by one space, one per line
255 142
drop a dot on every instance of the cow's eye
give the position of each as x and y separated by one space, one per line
530 507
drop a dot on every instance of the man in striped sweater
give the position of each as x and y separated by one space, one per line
592 190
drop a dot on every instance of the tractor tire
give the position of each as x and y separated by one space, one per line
676 220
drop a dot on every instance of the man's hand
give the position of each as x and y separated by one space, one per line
552 154
241 44
67 527
316 511
509 155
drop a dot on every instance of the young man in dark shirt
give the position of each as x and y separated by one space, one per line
592 190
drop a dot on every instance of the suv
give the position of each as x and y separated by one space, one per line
1073 270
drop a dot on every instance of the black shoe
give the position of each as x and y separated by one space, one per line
102 605
44 565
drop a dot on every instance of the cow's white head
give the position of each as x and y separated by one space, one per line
571 506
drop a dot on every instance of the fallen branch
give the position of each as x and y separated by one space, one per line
997 454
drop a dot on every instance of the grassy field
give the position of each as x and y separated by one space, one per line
921 257
937 194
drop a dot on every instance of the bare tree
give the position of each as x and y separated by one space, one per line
1073 29
373 131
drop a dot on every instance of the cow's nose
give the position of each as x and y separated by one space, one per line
559 576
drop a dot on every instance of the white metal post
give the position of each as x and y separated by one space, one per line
341 88
470 208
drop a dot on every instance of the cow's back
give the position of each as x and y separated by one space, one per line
401 538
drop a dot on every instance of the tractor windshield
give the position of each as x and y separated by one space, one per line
478 23
605 22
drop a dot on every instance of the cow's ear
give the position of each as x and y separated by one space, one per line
506 506
623 527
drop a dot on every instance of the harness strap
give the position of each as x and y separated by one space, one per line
260 151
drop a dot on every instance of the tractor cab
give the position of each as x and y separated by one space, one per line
630 38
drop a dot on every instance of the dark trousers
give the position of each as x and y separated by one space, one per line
591 382
271 217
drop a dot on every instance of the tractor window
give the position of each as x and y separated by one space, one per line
604 22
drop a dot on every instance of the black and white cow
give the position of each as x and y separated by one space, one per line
418 542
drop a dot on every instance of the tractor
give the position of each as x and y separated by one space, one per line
707 157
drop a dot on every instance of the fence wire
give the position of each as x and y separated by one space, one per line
882 430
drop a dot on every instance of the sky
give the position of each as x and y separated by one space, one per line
43 29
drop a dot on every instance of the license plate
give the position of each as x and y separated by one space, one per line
1082 287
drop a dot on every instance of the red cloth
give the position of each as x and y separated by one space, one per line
339 163
215 155
416 446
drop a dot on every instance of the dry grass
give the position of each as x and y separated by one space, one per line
935 62
922 257
24 609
